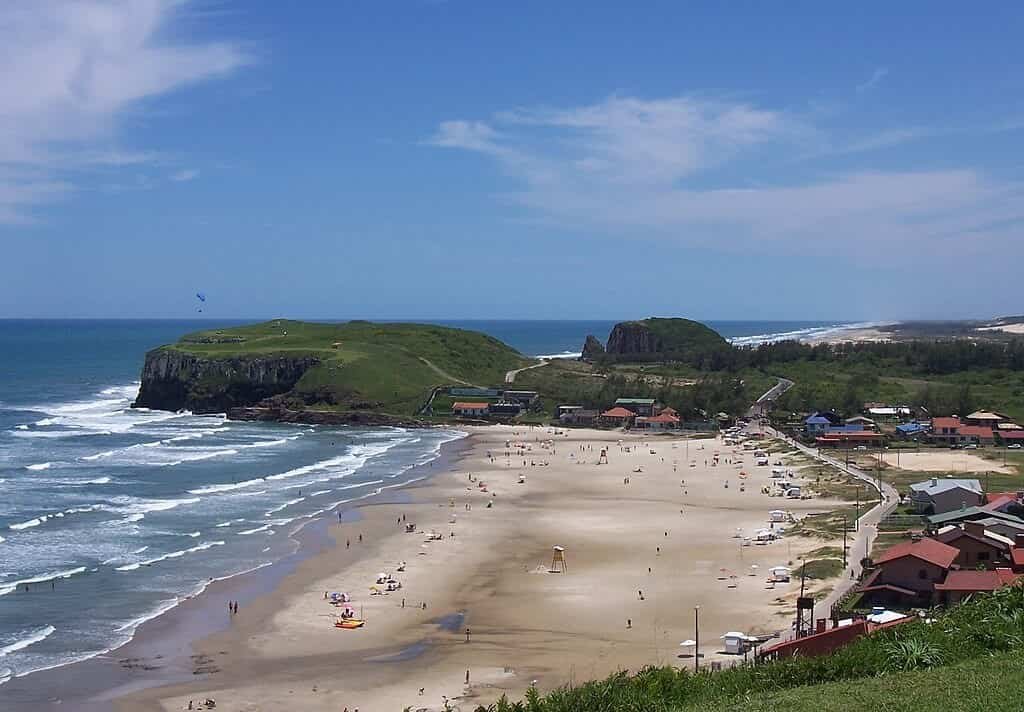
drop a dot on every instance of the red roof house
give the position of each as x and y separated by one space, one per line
959 584
927 549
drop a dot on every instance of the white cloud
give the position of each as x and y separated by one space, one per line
185 175
684 168
69 72
876 78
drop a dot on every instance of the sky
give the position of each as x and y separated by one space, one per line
456 159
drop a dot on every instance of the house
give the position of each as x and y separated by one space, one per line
639 406
1001 526
960 584
861 423
1012 437
524 397
978 547
938 496
945 430
849 439
661 421
470 409
985 418
968 514
564 409
816 424
977 434
617 417
583 416
906 574
505 409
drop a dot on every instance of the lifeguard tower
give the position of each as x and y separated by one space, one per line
558 560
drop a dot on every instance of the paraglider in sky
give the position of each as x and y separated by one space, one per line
202 300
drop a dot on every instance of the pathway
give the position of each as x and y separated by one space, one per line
510 377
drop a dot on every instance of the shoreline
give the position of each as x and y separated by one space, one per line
158 651
528 625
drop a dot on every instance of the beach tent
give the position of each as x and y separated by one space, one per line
777 515
793 492
765 535
779 573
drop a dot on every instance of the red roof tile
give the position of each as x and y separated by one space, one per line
930 550
1017 556
663 418
1012 434
618 412
469 406
938 423
976 580
975 431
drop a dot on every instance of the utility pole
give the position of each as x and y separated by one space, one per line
696 637
844 543
856 522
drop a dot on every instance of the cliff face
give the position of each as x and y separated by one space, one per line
592 349
632 337
173 380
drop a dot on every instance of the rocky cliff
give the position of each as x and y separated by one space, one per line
592 349
175 380
633 337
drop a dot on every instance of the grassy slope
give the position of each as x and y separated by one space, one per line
377 363
992 683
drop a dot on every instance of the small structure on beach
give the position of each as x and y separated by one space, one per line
778 515
558 560
779 574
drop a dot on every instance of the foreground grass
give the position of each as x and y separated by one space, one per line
993 683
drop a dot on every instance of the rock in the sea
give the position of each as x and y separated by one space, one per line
592 349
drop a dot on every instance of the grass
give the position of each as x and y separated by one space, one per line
386 367
965 658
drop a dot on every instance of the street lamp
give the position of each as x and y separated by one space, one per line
696 637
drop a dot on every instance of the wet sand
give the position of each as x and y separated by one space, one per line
639 558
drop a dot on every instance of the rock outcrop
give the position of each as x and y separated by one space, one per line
592 349
633 338
175 380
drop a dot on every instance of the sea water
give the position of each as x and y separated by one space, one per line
111 515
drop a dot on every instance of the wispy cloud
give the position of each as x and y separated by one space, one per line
69 72
185 175
876 78
669 167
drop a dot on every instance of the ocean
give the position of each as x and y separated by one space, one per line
111 515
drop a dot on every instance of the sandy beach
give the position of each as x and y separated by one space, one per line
647 536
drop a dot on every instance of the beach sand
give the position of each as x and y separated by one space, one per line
670 541
946 461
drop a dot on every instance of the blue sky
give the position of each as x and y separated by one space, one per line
460 159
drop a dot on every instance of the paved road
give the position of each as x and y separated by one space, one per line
510 377
867 529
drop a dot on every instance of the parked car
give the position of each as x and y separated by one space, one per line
1014 446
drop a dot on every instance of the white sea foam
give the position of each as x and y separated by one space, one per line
41 578
34 522
21 427
32 638
39 466
194 535
99 455
264 528
172 555
287 504
97 481
564 354
213 489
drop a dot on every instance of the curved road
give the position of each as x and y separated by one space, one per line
510 377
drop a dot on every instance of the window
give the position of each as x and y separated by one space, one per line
922 574
982 556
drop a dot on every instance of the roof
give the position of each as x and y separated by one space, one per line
976 431
634 401
927 549
618 413
888 587
988 540
669 410
461 405
973 512
817 420
938 423
910 427
1012 435
985 415
859 419
976 580
663 418
1000 501
1001 521
936 485
1017 556
1008 426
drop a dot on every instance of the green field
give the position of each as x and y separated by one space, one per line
386 367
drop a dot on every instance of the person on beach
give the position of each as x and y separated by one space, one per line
348 543
360 538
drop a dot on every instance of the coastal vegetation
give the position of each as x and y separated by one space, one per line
983 635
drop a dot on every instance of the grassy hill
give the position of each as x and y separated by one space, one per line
389 368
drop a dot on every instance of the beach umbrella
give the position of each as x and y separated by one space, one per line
688 643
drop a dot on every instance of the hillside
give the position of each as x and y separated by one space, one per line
660 339
285 367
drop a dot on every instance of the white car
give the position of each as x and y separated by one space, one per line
1014 446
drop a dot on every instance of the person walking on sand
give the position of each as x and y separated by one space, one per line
348 543
467 635
360 538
